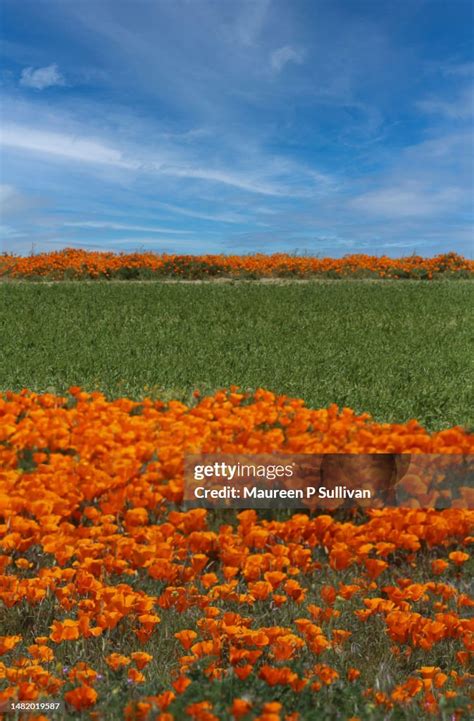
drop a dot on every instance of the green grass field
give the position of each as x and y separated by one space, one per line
399 350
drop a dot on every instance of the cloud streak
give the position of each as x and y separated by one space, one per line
407 200
41 78
111 225
462 108
270 179
68 147
281 57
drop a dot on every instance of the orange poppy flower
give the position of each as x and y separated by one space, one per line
240 707
82 697
353 674
181 683
135 676
7 643
243 672
141 659
117 661
439 565
67 630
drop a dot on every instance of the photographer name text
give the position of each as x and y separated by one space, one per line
256 492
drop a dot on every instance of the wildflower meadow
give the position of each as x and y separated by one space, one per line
236 360
77 263
118 602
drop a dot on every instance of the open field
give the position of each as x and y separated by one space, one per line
236 360
396 350
114 599
121 604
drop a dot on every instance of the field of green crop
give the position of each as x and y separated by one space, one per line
396 350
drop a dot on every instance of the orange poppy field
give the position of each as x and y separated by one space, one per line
119 603
236 360
77 263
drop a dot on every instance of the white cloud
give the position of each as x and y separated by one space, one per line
216 217
41 78
223 176
407 200
143 241
110 225
450 148
279 58
66 146
188 136
89 150
459 109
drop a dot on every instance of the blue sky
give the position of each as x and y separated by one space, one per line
318 126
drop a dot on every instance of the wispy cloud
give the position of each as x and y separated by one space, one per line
270 176
137 241
216 217
111 225
461 108
281 57
41 78
69 147
407 200
225 177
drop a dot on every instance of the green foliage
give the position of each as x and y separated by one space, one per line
396 350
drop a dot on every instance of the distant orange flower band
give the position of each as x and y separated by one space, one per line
94 543
74 263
